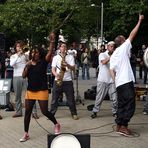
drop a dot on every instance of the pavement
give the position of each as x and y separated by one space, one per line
101 129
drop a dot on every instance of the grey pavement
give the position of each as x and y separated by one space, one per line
100 128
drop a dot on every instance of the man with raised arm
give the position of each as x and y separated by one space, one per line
122 74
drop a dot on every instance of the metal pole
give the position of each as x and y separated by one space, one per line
98 33
101 23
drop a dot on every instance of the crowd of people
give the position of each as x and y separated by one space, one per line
115 71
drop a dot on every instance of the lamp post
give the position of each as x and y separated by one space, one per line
101 23
101 27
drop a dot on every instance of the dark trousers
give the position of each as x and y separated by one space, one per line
68 89
140 71
126 103
145 69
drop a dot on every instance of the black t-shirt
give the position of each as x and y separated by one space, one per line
37 78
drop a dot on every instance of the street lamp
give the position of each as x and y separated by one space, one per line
101 27
101 23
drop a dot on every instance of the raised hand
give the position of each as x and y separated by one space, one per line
141 17
52 37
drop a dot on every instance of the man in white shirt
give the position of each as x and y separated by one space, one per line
145 110
18 62
105 82
62 65
122 74
73 51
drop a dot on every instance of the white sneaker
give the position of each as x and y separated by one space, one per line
25 138
145 113
57 129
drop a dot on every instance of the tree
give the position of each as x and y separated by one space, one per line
35 19
122 16
2 1
32 19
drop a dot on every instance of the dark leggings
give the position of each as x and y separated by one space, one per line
44 109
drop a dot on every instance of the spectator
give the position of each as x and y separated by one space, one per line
9 69
94 59
141 63
133 61
85 60
18 62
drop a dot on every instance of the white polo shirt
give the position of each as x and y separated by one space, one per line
56 62
120 63
104 73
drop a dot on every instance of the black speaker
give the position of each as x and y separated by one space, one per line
2 41
83 139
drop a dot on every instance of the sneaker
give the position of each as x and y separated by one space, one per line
75 117
123 130
94 115
35 116
145 113
25 138
17 115
57 129
118 128
114 115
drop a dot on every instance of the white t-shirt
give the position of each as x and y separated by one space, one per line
56 62
120 63
104 73
18 63
72 52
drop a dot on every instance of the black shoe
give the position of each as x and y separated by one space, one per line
114 115
94 115
35 116
17 115
1 117
75 117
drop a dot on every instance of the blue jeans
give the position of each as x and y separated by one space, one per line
85 71
78 67
146 103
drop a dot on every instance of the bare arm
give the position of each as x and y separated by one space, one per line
25 71
112 72
54 71
71 67
51 47
105 61
135 30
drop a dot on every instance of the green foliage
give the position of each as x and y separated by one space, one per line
35 19
123 15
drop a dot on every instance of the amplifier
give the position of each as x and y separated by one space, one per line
4 98
5 91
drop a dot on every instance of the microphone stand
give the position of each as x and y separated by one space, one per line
78 97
